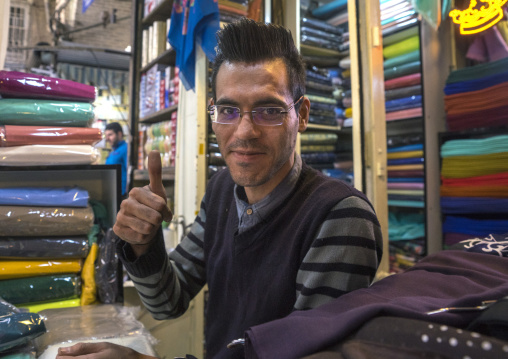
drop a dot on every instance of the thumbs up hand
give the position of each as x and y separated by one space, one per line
141 214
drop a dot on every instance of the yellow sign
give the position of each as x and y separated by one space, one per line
479 16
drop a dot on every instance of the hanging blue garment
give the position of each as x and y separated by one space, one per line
191 23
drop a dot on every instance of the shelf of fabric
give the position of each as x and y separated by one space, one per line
159 116
167 58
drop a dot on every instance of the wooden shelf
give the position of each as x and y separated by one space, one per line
168 174
160 13
162 115
168 58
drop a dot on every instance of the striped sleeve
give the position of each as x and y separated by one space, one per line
344 256
168 292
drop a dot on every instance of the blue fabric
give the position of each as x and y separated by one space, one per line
403 103
193 22
475 227
415 147
476 84
326 11
119 156
406 161
44 196
465 205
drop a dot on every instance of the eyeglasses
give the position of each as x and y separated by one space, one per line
263 116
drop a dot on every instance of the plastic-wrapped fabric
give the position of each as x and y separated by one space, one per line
402 70
88 288
403 47
37 155
330 9
404 114
38 307
24 85
403 103
404 81
43 247
41 288
44 196
48 135
103 321
106 269
403 92
17 111
18 328
400 35
45 221
13 269
402 59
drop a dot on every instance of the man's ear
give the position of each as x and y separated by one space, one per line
303 115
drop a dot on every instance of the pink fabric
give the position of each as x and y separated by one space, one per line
488 47
403 114
25 85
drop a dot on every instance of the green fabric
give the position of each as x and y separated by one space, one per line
402 70
26 112
429 10
399 36
478 71
405 225
402 59
40 288
402 47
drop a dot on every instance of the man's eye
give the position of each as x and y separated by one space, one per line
271 110
228 110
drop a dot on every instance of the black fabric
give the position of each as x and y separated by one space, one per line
252 276
493 321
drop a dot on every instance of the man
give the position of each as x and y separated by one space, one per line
118 155
272 235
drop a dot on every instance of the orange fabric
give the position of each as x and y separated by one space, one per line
475 191
464 102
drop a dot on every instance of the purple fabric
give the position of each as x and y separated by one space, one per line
444 279
25 85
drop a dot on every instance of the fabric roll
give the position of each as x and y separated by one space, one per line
404 114
403 185
406 161
415 90
411 147
401 35
406 173
12 269
46 135
406 203
17 111
405 167
472 166
402 47
330 9
402 59
324 138
407 192
41 288
393 28
404 81
402 70
37 155
45 221
407 179
40 247
317 148
403 103
475 146
44 196
17 329
59 304
473 205
475 191
23 85
404 154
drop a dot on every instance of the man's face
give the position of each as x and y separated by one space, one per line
111 137
258 157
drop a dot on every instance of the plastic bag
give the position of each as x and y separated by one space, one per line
17 328
37 155
44 196
106 269
43 247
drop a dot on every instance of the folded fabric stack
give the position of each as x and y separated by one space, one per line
159 136
231 10
46 121
475 96
44 242
474 187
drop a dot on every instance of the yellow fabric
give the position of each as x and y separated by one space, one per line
348 112
405 167
88 288
404 154
35 308
472 166
402 47
11 269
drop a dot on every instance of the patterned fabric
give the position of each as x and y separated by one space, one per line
495 244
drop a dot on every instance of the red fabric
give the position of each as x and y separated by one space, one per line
492 179
403 81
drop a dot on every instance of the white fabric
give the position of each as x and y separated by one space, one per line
35 155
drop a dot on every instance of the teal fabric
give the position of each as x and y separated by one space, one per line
404 226
30 112
402 70
472 147
402 59
480 71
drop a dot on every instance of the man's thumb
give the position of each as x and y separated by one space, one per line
155 174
